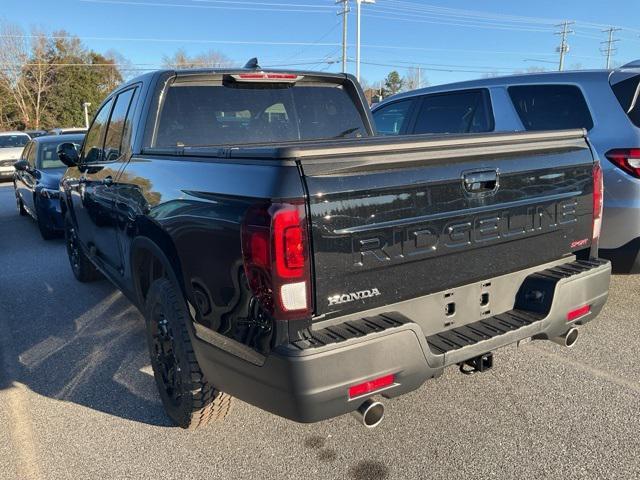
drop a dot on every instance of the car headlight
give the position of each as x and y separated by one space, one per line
48 193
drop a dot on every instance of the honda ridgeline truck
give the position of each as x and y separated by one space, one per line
284 254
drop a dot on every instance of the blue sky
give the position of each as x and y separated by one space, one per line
450 41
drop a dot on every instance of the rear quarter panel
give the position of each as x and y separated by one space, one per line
197 206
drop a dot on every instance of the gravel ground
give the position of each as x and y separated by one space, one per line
77 400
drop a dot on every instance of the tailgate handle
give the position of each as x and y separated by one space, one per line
480 182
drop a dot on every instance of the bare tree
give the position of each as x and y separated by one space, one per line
26 74
211 58
414 79
123 64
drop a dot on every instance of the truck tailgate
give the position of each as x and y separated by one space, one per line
394 219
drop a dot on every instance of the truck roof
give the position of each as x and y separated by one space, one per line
231 70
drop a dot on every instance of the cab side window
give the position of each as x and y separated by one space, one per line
94 141
391 119
466 111
119 129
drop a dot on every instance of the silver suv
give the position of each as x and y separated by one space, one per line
605 102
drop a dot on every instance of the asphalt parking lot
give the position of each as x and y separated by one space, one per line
77 399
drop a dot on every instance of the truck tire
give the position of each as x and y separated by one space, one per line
188 398
82 268
21 210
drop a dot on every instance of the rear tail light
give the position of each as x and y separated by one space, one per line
275 249
598 189
371 386
627 159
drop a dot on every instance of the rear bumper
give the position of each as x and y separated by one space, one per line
50 213
308 381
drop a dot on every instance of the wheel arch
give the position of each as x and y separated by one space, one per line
153 255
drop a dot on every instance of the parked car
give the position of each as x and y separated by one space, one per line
36 182
604 102
283 254
11 146
67 131
36 133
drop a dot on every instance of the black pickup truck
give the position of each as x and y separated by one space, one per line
284 254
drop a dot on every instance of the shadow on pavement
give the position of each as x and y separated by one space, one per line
81 343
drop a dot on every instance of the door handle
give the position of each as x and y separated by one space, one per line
481 182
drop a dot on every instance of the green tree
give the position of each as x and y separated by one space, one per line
82 76
393 83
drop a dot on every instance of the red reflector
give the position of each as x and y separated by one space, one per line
371 386
578 312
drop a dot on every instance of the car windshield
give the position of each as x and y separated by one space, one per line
209 114
48 156
13 141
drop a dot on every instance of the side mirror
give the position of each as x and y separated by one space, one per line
68 154
21 165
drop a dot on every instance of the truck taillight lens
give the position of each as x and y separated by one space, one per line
627 159
275 249
598 189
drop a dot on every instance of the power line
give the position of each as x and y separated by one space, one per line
479 15
458 24
452 68
306 9
177 40
240 2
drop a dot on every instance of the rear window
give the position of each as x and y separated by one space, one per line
48 155
206 114
13 141
626 92
551 107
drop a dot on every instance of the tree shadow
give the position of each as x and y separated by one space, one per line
369 470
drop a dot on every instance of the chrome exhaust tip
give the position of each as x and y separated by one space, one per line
370 413
569 339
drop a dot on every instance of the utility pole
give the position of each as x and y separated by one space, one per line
358 15
609 44
345 10
564 46
86 106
